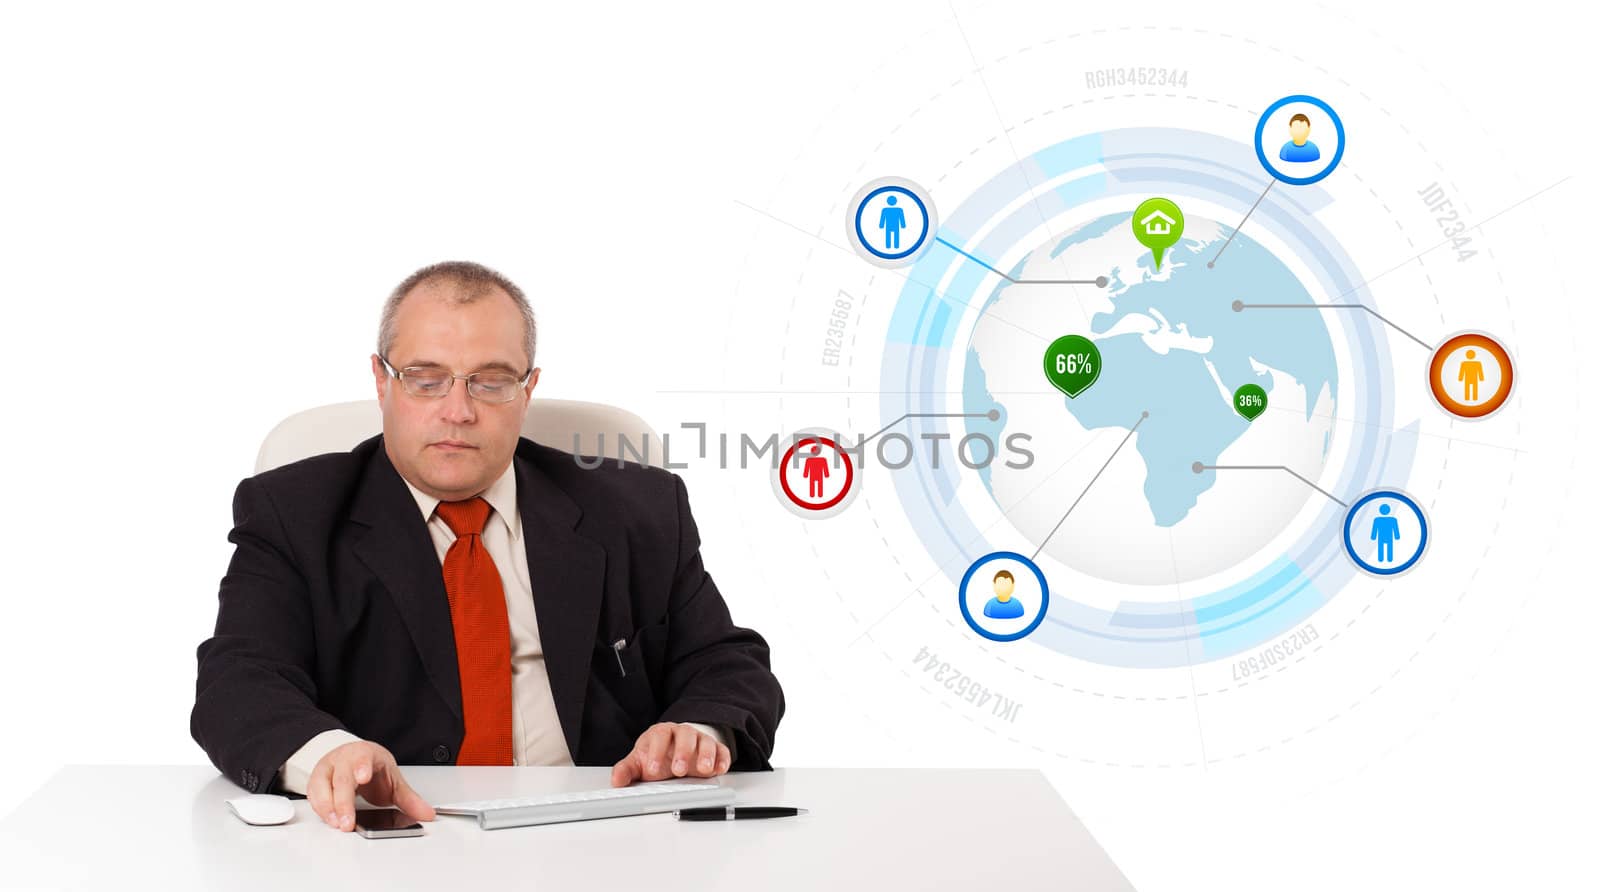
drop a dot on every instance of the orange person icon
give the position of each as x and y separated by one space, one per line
815 471
1471 373
1483 375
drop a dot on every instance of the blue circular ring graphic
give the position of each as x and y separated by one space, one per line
1261 126
1396 495
1044 595
921 346
921 237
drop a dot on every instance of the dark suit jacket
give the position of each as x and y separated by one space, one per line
333 615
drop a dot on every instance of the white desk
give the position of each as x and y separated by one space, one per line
869 828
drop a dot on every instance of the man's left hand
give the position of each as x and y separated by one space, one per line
671 749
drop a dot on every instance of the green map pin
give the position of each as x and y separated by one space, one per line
1072 364
1157 224
1250 401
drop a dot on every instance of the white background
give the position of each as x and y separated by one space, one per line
201 210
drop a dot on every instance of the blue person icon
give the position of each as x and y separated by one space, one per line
1381 528
1002 605
891 220
1386 530
1299 147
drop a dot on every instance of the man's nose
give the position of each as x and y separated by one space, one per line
459 405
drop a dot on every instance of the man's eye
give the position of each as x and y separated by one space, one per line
495 385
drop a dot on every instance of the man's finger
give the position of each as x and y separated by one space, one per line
685 741
627 771
724 759
320 792
409 800
655 743
361 770
344 796
707 755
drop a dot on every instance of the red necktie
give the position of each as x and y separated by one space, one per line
483 635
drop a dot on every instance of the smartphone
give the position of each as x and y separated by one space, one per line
385 823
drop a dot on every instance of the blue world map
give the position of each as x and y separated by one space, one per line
1188 388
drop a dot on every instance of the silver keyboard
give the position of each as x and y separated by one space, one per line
587 805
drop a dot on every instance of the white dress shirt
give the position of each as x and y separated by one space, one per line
536 736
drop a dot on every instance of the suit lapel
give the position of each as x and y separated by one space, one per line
397 549
567 572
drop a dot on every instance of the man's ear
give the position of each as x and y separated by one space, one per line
380 377
533 381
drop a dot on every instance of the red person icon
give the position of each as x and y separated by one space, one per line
828 471
814 470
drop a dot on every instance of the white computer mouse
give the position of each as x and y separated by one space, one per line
262 808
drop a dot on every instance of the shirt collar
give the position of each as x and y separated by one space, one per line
501 496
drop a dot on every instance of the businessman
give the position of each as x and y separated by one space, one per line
448 592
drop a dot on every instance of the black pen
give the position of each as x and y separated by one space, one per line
729 813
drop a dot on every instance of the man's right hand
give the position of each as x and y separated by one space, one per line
366 768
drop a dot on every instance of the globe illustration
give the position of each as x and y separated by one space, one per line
1172 344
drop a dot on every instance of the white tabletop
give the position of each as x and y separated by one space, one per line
106 826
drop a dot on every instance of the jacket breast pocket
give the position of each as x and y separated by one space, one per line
633 667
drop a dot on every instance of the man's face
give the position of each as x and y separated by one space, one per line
1003 588
453 447
1299 131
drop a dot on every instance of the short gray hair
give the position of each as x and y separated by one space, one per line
474 281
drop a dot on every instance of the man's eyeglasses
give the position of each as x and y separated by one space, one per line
429 381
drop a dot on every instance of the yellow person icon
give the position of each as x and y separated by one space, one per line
1471 373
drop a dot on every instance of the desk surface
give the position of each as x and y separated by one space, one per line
102 826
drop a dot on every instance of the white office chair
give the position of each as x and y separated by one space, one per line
599 430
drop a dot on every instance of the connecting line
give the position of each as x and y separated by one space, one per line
1213 261
1198 467
1238 305
1142 417
1099 282
992 415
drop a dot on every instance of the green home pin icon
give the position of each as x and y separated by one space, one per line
1158 224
